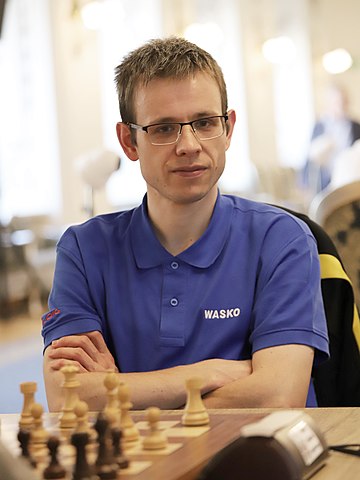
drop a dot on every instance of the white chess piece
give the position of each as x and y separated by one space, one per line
68 418
111 410
195 412
28 389
156 439
83 425
129 429
39 436
81 411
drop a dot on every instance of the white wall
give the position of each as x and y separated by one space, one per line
78 99
334 24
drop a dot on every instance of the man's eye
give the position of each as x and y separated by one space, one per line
164 129
205 123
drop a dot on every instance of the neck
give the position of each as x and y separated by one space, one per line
178 226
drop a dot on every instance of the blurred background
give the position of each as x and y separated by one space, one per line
289 65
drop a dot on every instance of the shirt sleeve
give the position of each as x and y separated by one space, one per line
71 305
288 304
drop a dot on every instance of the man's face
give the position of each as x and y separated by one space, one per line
188 170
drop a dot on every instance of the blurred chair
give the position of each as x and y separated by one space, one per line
336 381
14 281
338 212
347 167
279 184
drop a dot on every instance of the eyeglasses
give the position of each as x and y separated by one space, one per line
168 133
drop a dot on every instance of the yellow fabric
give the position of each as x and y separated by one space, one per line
331 267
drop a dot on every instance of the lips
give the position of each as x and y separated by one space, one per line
191 170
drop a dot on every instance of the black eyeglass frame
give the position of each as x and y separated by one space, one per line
135 126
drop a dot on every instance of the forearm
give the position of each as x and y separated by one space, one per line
280 379
149 388
162 388
255 392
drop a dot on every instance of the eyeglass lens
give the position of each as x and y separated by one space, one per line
204 128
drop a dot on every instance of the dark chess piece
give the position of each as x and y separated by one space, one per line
105 466
24 437
120 458
82 469
54 469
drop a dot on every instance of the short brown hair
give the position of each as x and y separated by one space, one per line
172 57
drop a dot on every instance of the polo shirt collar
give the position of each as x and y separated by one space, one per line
149 252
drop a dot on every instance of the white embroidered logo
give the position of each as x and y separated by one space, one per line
223 313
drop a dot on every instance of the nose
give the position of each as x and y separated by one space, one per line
188 141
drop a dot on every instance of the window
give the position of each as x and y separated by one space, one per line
29 165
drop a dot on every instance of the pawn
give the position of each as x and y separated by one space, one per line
82 469
195 412
105 465
54 469
120 458
83 425
81 411
113 418
156 439
24 437
127 425
39 436
111 383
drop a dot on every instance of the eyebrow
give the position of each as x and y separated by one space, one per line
175 120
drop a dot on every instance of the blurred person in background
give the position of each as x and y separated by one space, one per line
334 132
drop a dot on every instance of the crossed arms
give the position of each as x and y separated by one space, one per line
274 377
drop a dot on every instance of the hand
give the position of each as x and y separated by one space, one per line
88 351
218 372
225 371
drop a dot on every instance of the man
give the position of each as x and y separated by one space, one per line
333 133
191 282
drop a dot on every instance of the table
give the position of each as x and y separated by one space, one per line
339 425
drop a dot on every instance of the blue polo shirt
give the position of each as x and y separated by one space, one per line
251 281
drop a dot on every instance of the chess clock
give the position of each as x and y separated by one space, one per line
285 445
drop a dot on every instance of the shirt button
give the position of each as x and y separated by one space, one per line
174 302
174 265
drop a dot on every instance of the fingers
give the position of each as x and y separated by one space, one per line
98 340
82 342
58 364
221 371
74 355
88 351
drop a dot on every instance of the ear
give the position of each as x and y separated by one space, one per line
124 136
230 127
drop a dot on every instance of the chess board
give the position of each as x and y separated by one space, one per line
188 449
